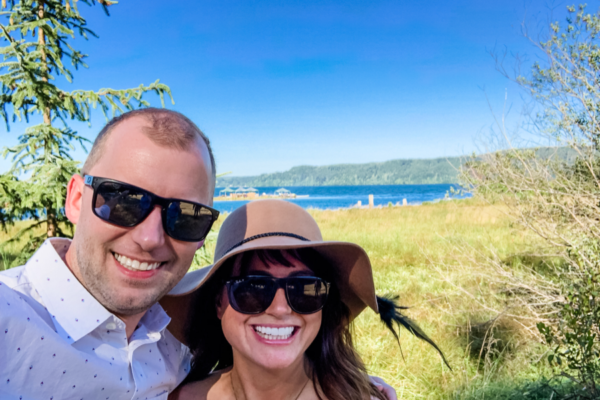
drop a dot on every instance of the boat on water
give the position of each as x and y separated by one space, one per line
248 193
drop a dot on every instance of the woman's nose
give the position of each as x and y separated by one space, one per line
279 306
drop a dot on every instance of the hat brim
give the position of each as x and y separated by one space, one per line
351 266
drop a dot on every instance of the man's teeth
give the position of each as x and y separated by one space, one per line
135 265
271 333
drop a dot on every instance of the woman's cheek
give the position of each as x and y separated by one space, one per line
233 325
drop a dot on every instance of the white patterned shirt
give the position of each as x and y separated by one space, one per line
57 342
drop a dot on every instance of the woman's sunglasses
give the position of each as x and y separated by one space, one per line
254 294
126 205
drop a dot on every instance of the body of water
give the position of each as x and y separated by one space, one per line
333 197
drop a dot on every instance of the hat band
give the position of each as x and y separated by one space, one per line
264 235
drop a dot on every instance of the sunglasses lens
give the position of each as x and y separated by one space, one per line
188 221
251 295
306 295
120 204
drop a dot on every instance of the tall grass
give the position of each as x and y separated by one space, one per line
428 255
490 357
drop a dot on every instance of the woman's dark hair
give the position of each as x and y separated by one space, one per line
334 364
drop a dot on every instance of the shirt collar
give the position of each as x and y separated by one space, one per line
155 319
74 310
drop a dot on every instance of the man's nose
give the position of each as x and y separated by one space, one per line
279 307
149 234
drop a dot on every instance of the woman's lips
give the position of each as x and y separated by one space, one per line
275 334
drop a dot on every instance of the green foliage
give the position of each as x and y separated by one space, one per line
542 389
575 340
566 85
204 255
37 37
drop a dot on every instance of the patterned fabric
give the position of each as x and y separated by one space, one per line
58 342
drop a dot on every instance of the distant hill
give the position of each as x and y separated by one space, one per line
394 172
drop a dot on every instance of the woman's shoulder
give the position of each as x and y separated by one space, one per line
196 390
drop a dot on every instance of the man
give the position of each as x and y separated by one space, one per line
81 320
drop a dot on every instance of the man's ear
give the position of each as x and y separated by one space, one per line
74 198
200 244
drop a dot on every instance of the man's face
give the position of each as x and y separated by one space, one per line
103 250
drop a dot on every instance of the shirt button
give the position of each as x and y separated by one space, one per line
111 326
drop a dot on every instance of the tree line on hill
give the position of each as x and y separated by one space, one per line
393 172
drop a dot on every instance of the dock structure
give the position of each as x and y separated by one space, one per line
227 191
283 192
249 193
246 193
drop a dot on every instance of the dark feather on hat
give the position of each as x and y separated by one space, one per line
389 312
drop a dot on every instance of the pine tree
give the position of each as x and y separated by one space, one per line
37 37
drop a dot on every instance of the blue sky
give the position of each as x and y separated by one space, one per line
275 84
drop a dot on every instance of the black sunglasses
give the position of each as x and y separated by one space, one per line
254 294
126 205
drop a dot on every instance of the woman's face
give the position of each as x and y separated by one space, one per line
246 333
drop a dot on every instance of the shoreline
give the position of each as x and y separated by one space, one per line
375 207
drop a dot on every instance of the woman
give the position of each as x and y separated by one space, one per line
271 319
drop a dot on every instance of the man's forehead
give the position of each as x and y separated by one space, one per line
131 156
138 131
137 122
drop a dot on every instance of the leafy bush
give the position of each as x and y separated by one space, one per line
574 340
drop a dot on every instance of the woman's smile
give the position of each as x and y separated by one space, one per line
275 334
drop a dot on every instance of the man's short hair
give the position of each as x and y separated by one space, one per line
166 128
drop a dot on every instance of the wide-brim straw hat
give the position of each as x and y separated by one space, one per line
281 225
278 225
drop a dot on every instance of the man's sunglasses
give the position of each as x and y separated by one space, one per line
254 294
126 205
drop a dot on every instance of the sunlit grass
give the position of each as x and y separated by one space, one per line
404 244
10 251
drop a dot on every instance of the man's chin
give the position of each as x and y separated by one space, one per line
129 309
133 304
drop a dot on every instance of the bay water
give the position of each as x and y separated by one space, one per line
334 197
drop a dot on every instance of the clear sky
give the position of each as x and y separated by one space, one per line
275 84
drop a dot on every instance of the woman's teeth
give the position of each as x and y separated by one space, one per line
135 265
271 333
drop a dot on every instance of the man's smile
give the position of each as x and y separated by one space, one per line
136 265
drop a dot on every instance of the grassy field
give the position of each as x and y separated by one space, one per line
427 255
431 257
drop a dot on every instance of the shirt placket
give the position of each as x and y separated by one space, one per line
115 350
143 341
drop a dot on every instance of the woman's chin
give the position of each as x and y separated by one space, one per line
274 353
277 362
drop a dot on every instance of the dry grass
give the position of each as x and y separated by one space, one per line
407 246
